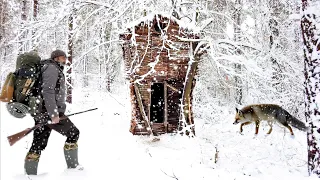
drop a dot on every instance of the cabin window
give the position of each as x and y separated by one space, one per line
159 26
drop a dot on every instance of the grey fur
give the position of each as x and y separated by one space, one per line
267 112
284 116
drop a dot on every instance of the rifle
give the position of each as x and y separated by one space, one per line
18 136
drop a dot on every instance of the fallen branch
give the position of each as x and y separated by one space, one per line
172 176
216 155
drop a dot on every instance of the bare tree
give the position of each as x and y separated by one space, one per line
3 18
24 10
70 50
311 50
35 9
237 38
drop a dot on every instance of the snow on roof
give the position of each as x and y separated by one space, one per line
182 23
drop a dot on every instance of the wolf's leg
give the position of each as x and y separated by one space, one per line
256 119
243 124
270 130
290 129
283 120
257 125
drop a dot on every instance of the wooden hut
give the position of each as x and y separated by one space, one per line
156 51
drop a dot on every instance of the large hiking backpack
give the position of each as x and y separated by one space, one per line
24 96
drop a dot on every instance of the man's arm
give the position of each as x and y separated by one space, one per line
49 82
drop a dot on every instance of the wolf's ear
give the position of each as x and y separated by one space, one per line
240 113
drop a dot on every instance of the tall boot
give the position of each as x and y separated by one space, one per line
31 163
71 154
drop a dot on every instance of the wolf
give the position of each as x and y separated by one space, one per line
267 112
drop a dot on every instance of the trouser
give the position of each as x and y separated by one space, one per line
42 134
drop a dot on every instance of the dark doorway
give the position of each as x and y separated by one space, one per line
157 103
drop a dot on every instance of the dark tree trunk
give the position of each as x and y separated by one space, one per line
24 10
186 122
70 52
35 9
312 82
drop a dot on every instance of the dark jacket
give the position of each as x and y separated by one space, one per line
53 88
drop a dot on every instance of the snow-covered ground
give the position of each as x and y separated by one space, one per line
108 151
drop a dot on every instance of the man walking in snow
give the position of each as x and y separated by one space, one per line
53 92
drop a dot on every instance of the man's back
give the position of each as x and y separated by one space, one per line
53 88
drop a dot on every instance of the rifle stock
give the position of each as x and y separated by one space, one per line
18 136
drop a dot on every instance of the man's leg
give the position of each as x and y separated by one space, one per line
68 129
39 143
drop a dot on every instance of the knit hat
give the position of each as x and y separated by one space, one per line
58 53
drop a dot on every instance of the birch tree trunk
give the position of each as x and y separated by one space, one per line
35 15
312 82
22 46
24 10
237 38
274 35
3 17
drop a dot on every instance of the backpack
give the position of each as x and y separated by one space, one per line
8 88
21 90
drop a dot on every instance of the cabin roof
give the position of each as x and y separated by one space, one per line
184 24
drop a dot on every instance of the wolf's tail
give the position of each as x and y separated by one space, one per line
295 122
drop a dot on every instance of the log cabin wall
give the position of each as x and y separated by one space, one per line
154 52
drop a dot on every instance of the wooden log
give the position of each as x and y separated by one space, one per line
165 106
133 111
145 118
173 88
188 89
